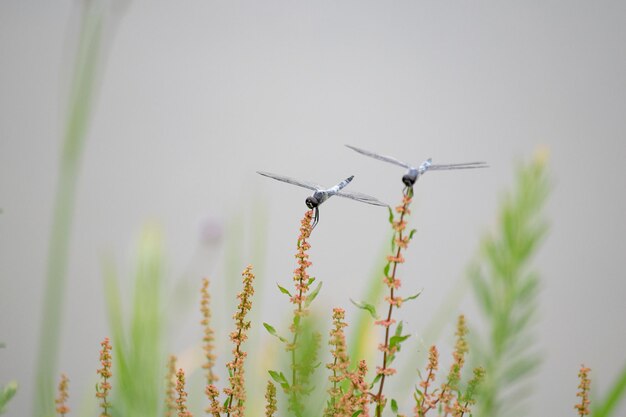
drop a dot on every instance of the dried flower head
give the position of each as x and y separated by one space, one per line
215 408
270 397
300 275
339 365
460 349
181 401
61 401
103 388
426 401
237 391
209 337
583 391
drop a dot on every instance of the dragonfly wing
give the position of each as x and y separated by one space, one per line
364 198
289 180
466 165
384 158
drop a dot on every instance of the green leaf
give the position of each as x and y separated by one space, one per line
313 294
366 306
394 406
284 290
393 243
311 281
397 340
271 330
357 413
386 270
377 378
411 233
482 291
280 379
413 297
6 394
399 328
390 215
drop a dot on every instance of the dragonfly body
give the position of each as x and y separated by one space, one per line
321 194
412 174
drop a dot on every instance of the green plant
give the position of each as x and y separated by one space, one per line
87 63
302 359
6 393
139 338
506 289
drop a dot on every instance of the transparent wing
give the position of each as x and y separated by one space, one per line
380 157
466 165
289 180
364 198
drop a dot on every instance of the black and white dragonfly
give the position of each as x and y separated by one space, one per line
412 173
321 194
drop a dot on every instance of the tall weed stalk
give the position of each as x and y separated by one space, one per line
506 288
87 65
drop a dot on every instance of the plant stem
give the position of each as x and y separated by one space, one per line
81 97
294 387
406 201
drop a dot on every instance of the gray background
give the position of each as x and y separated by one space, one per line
195 96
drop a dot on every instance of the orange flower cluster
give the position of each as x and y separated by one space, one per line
356 397
300 275
270 397
583 391
213 393
428 400
181 401
454 376
340 362
209 337
450 398
61 400
103 388
237 391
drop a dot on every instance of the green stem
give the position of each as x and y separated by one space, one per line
379 395
74 138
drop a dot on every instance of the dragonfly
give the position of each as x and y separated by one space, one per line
412 173
321 194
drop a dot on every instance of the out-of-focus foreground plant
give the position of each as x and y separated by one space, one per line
507 289
88 63
139 337
616 394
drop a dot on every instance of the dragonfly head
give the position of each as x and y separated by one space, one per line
312 202
409 179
